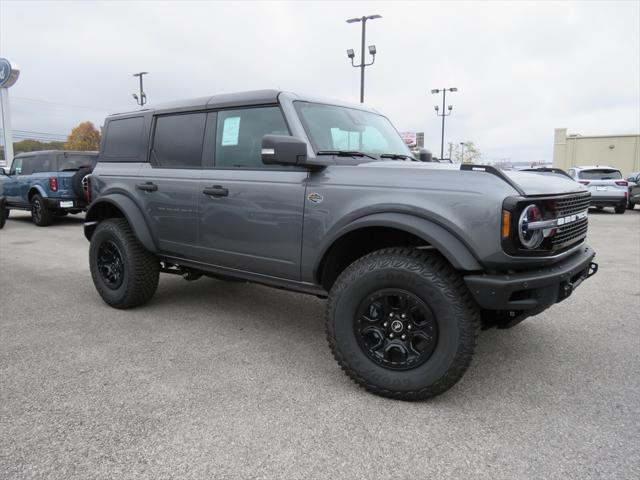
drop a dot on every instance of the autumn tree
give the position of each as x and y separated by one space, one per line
83 137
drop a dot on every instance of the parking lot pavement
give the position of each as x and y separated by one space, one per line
216 379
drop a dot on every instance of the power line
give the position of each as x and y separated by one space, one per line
63 104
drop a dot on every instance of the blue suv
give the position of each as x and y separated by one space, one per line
48 183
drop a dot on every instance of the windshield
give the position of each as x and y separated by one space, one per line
75 162
332 128
600 174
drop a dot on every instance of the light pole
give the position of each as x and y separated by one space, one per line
143 97
461 152
443 114
450 148
372 50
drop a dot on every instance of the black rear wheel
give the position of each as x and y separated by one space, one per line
402 324
123 271
621 208
41 215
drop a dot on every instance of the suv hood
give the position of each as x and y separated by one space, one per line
531 183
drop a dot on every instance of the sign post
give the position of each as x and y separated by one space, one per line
9 74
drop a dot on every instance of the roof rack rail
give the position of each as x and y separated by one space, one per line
494 171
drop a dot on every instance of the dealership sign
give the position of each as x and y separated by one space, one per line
8 73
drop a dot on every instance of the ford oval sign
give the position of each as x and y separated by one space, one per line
8 73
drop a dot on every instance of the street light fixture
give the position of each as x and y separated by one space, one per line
443 114
372 50
142 99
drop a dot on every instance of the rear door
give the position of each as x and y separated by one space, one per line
251 213
168 187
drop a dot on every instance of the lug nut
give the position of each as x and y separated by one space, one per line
409 327
403 337
391 335
391 314
403 316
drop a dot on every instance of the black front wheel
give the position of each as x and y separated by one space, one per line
41 215
402 324
123 271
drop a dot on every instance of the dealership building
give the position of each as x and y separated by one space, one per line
619 151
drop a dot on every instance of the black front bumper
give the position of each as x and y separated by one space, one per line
527 293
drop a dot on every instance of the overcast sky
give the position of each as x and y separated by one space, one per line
522 68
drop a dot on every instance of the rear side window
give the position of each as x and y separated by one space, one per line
177 141
123 137
600 174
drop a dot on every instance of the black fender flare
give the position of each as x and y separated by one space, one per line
104 207
449 245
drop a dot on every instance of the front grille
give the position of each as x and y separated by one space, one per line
572 204
575 231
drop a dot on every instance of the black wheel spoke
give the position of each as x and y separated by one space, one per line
396 329
110 264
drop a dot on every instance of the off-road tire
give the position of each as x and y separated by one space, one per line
7 212
76 181
620 209
631 206
428 276
141 267
41 215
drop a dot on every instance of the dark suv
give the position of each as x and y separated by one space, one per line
48 183
324 198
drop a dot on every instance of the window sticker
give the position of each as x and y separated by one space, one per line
230 131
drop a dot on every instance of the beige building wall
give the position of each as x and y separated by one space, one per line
619 151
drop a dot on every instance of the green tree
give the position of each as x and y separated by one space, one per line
83 137
471 153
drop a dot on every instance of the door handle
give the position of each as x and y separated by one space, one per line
216 191
147 187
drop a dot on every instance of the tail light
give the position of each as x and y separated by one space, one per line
86 187
53 184
622 183
585 182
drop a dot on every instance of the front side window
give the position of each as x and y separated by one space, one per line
29 165
16 167
178 139
600 174
332 127
239 135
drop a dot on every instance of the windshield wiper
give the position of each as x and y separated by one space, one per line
398 156
345 153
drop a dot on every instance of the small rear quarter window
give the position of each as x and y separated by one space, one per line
123 137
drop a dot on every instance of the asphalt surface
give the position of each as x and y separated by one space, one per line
215 379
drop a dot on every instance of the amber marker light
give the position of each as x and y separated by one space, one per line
506 223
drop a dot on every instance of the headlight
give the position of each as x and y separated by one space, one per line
530 238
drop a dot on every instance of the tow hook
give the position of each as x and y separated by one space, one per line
593 268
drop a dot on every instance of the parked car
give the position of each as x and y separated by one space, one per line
324 198
48 183
607 187
3 212
634 190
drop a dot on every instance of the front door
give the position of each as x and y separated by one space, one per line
250 213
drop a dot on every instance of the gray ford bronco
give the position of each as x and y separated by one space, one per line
324 198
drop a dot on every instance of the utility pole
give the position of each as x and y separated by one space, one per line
372 50
142 99
444 113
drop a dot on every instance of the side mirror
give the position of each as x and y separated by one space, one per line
425 155
283 150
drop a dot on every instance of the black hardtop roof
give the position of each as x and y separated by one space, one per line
43 152
239 99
